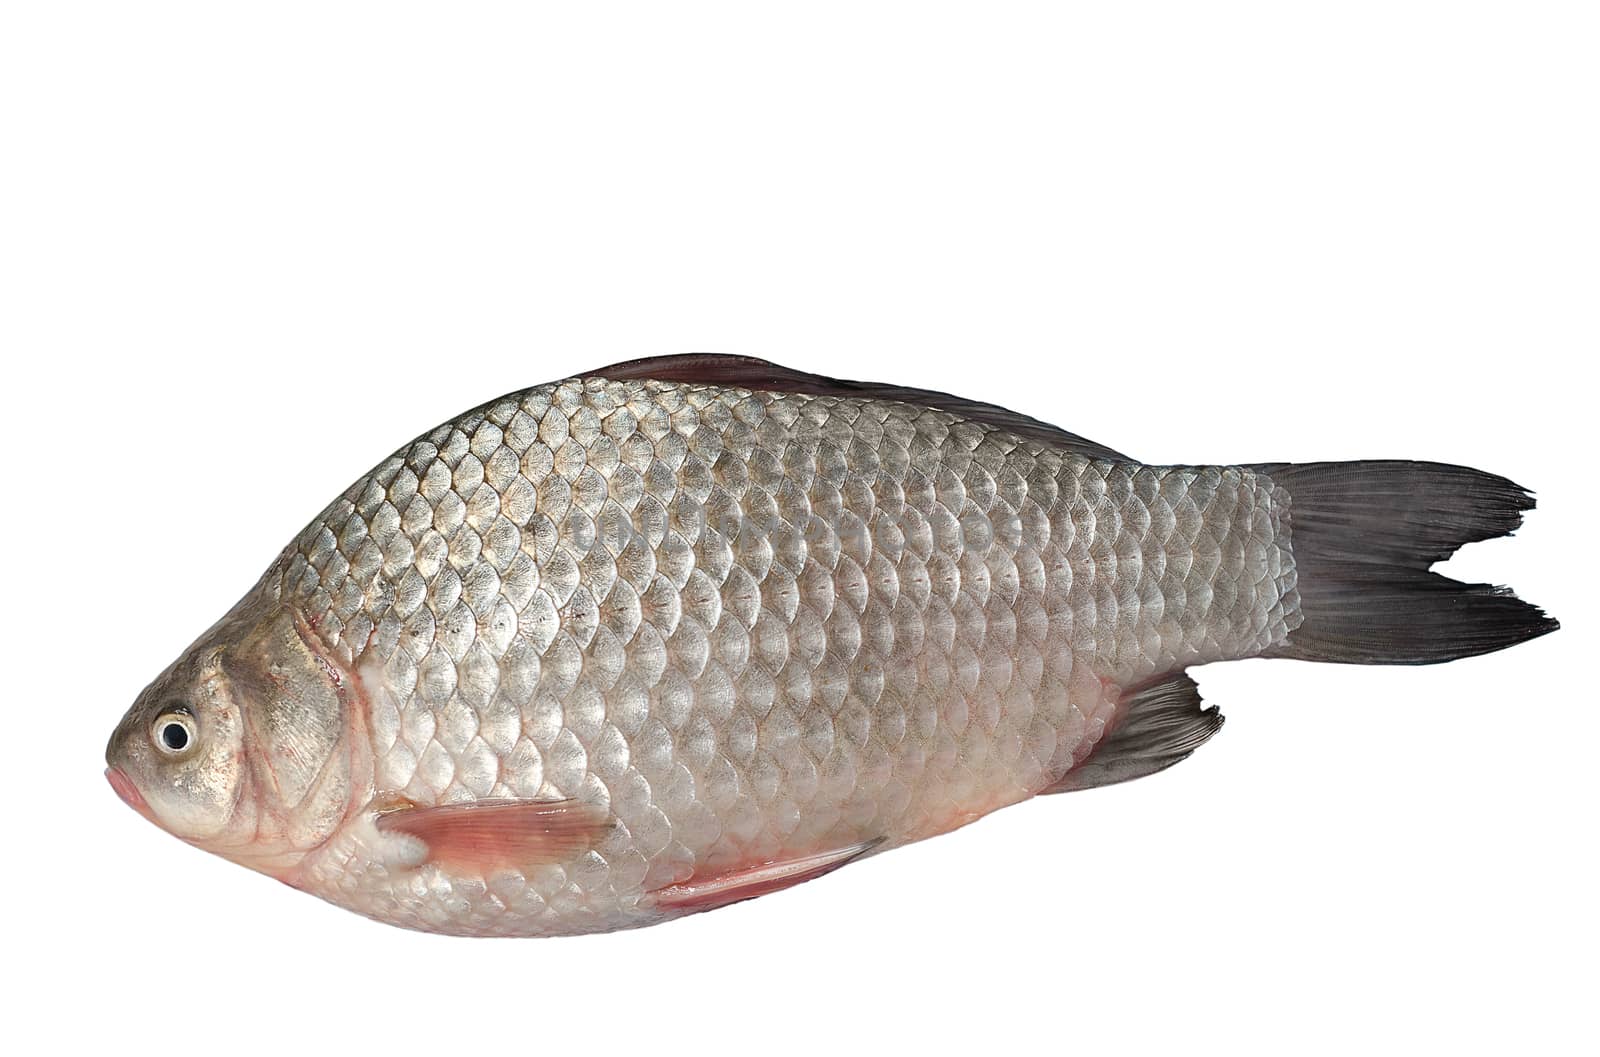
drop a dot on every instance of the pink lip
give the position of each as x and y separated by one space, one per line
127 791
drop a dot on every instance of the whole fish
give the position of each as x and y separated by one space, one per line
685 631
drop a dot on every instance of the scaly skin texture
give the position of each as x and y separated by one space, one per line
745 627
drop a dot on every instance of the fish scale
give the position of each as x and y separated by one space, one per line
752 624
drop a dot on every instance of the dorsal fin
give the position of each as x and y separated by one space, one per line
1157 727
747 372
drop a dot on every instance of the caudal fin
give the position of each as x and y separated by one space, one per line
1363 536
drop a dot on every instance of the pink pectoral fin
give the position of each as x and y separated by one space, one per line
488 835
720 888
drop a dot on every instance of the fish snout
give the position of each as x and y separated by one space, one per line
127 791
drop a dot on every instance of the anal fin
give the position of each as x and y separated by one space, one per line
720 888
483 836
1154 728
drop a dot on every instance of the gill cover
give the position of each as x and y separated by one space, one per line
296 710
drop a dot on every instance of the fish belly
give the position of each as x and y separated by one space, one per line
752 627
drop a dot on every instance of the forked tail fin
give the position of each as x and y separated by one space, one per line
1363 535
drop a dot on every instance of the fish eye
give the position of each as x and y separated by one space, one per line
174 731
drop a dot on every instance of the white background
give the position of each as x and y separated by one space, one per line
249 249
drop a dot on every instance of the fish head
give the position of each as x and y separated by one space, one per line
242 746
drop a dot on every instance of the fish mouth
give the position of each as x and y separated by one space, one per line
124 788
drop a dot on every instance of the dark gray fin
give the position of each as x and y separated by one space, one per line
747 372
1155 728
1363 535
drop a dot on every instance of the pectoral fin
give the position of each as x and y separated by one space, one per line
489 835
719 888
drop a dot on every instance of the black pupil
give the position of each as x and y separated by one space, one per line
175 737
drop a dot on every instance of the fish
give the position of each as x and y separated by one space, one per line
680 632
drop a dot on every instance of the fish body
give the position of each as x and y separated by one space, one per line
681 632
